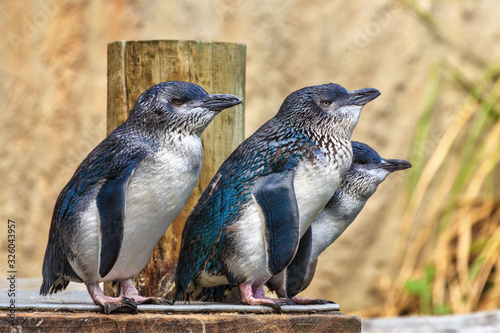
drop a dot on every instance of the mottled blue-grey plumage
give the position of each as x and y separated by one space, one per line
311 132
128 190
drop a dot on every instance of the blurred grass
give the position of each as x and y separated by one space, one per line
451 224
449 242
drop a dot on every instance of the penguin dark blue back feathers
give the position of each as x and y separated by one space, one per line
367 171
127 192
247 224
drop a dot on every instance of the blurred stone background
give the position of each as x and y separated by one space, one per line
53 97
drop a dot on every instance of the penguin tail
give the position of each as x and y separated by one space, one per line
178 296
53 285
212 294
56 271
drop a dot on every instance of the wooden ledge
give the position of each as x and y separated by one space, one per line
73 311
146 322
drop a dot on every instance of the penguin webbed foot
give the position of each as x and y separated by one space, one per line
155 301
110 304
128 290
279 302
256 296
311 300
273 305
288 301
127 304
124 304
150 300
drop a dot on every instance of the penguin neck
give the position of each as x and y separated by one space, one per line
328 138
358 184
163 134
327 131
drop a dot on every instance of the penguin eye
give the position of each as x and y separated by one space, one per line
177 101
325 103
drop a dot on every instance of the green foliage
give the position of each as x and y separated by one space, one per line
422 288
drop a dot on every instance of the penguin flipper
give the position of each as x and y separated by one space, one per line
111 206
310 274
297 273
275 196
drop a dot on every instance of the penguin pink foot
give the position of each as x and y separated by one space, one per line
110 304
128 290
252 295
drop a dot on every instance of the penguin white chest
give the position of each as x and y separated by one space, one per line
333 221
314 184
156 194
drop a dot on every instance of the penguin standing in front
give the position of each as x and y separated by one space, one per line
367 171
127 191
247 224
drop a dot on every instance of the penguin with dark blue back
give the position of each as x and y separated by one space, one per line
247 224
127 191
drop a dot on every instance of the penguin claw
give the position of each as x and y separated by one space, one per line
274 306
129 303
125 304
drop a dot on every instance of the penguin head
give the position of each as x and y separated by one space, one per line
326 106
368 169
178 106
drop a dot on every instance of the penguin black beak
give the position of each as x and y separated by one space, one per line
219 102
394 165
362 96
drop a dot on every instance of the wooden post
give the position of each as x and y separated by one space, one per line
133 67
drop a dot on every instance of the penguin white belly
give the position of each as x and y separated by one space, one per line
249 234
84 245
156 194
250 229
324 232
310 191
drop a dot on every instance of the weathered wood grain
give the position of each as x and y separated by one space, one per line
91 322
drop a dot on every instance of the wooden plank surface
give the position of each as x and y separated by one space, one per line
73 311
80 301
134 66
90 322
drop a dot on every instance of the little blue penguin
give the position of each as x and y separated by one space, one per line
127 191
367 171
248 222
